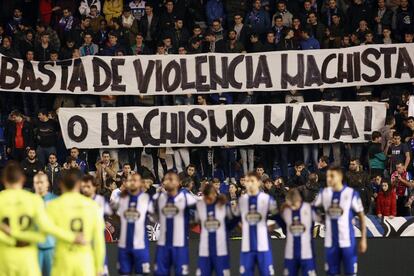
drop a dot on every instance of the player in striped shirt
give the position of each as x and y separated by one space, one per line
133 246
172 207
253 208
214 216
341 203
298 217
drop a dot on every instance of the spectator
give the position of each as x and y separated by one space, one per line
46 133
95 18
106 170
242 30
112 47
258 19
53 38
398 152
88 48
403 19
386 201
66 23
112 9
52 171
191 172
401 181
300 175
376 155
383 17
318 29
149 26
310 190
86 5
356 12
357 179
19 136
308 42
31 166
283 13
280 191
261 172
215 11
124 174
137 8
81 164
7 49
322 169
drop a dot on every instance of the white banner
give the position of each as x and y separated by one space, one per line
207 73
220 125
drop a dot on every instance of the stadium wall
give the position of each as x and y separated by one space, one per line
385 256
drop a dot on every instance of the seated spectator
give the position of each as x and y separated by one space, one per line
112 9
53 38
52 171
95 18
31 167
401 181
386 201
124 174
261 172
310 190
19 136
74 153
7 49
308 42
148 186
139 48
86 5
88 48
112 46
280 191
191 172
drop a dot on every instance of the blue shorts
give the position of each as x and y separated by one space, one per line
264 261
335 255
219 264
292 267
133 258
168 256
46 260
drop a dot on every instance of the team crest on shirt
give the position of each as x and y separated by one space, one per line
297 228
170 210
131 214
253 217
211 224
335 211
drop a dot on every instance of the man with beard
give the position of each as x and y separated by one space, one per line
171 207
31 166
357 179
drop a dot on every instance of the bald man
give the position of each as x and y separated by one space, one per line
41 186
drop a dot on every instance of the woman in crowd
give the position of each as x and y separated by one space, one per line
386 201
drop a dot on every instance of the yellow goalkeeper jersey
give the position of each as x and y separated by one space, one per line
24 212
79 214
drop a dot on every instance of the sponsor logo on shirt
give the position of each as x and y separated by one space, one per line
253 217
170 210
297 228
211 224
335 211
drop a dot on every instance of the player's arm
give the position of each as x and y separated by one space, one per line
5 238
99 242
363 242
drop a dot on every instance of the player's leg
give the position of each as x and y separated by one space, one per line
47 261
265 263
221 265
142 262
333 260
163 261
181 260
350 260
308 267
291 267
247 263
125 261
204 266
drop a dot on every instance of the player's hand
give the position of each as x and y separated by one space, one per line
80 240
362 248
5 228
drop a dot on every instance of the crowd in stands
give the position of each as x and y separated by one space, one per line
43 30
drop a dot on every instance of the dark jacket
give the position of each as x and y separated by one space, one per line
360 182
30 170
27 133
53 173
153 29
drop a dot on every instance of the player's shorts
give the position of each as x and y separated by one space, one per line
219 264
335 255
168 256
139 259
69 263
264 261
46 261
19 261
293 266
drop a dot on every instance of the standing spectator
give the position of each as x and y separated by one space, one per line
398 152
376 155
382 17
234 8
42 28
8 49
356 12
215 11
286 16
386 201
258 19
168 16
52 171
46 131
242 30
401 181
19 136
85 6
180 35
106 170
332 10
31 166
404 19
66 23
95 18
15 21
43 49
322 169
112 9
318 29
387 132
112 46
149 26
358 179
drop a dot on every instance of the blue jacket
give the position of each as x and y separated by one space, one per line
309 44
214 10
259 21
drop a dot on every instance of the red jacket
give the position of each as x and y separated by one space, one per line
386 203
